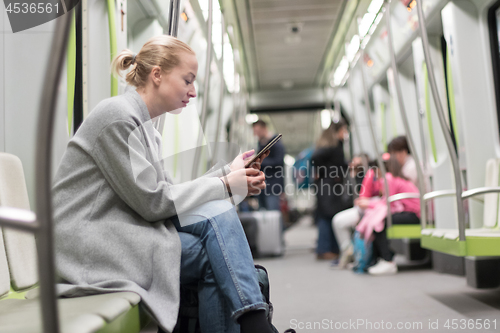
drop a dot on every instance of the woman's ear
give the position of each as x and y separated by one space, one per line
156 75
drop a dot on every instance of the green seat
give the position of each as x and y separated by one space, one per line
478 242
410 231
403 231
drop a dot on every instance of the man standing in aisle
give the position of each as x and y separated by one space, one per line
273 167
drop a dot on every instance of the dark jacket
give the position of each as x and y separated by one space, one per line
273 167
329 167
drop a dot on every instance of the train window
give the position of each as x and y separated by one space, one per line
494 26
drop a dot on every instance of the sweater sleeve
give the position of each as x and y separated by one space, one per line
124 157
367 185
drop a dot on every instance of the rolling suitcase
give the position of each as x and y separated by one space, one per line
264 232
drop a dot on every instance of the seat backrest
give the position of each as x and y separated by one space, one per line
492 179
20 246
4 269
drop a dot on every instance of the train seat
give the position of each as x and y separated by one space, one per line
483 241
404 231
19 302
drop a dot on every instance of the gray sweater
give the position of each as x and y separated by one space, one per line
113 200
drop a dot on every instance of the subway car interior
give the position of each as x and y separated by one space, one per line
381 210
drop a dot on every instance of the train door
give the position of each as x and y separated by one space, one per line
440 167
467 87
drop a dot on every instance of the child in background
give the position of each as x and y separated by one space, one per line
372 225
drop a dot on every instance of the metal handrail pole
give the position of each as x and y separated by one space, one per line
354 119
439 194
221 96
173 25
170 17
374 139
401 196
351 97
442 121
479 191
232 126
20 219
206 86
404 116
45 131
175 18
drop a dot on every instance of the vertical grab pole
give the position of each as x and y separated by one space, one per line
354 119
374 139
206 85
404 117
175 17
173 26
442 121
112 42
235 107
170 17
221 95
45 239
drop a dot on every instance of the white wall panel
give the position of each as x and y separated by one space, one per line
99 58
461 30
356 85
3 18
23 79
445 211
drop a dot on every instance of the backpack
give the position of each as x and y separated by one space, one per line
362 254
188 320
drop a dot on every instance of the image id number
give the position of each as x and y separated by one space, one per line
462 324
32 8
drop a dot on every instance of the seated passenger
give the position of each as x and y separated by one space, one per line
372 225
346 220
398 147
122 225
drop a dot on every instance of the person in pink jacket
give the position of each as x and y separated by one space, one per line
346 220
372 225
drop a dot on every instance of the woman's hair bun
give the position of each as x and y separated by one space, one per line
123 61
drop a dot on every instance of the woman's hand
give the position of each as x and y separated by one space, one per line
241 160
362 202
258 162
245 182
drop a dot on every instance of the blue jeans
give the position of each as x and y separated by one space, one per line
215 253
326 237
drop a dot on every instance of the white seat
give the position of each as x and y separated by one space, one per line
427 232
18 269
452 234
20 246
77 315
491 211
490 215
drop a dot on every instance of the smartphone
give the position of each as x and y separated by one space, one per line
264 150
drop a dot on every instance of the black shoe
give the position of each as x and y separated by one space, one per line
290 330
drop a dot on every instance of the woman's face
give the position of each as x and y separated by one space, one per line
177 87
342 133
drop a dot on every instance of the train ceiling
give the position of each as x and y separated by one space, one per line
285 41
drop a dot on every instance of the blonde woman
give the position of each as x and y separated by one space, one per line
121 223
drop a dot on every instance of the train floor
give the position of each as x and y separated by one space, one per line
309 296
